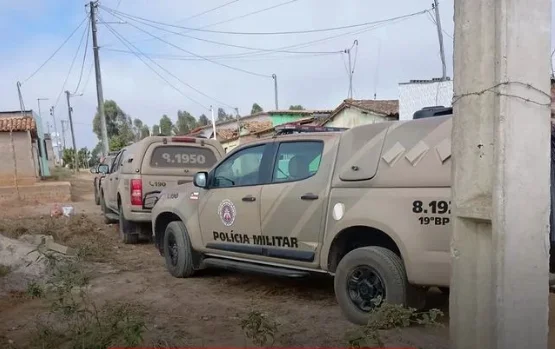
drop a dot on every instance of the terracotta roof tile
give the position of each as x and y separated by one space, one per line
17 123
387 107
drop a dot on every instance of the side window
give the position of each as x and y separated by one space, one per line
115 163
240 169
297 161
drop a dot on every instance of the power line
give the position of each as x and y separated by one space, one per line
191 58
355 32
309 31
235 18
83 63
129 45
88 77
208 11
259 51
199 56
71 66
56 51
170 73
209 41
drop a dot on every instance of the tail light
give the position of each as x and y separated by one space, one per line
136 192
183 139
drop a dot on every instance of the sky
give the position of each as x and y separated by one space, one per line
229 77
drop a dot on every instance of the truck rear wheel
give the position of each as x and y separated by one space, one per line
127 232
365 274
96 196
178 252
104 210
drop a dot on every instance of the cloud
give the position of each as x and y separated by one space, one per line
396 53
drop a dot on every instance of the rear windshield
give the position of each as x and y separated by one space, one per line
175 156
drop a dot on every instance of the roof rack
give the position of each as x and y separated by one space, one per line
290 129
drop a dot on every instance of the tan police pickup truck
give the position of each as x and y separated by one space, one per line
141 171
369 205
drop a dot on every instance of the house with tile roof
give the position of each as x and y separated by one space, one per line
231 133
355 112
22 149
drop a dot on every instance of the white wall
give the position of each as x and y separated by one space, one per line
351 117
415 96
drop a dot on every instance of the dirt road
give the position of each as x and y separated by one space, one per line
201 311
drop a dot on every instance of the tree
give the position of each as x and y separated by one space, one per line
296 107
137 129
185 123
117 122
256 108
223 116
117 142
166 126
203 120
145 131
155 130
83 157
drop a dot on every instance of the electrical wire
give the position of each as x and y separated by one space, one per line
355 32
210 41
88 78
83 63
56 51
365 24
189 58
231 19
259 51
129 45
71 66
207 11
199 56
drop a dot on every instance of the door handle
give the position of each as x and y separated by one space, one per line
110 178
309 196
249 198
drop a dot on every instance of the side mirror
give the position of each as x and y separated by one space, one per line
103 169
94 170
201 180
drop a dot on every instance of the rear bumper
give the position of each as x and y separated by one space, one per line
135 216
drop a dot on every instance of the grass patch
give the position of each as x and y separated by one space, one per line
390 317
78 232
59 174
5 270
74 320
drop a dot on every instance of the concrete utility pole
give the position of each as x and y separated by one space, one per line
99 92
348 52
69 113
57 137
213 121
274 76
501 175
440 37
64 133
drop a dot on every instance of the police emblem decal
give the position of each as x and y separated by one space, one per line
226 211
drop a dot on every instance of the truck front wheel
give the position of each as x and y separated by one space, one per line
366 274
178 252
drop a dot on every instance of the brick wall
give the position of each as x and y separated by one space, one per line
24 158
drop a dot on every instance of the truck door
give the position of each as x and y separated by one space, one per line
114 181
229 211
294 202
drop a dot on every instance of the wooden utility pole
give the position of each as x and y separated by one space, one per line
440 37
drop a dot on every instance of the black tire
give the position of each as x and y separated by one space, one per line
385 264
127 230
103 208
96 196
177 239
